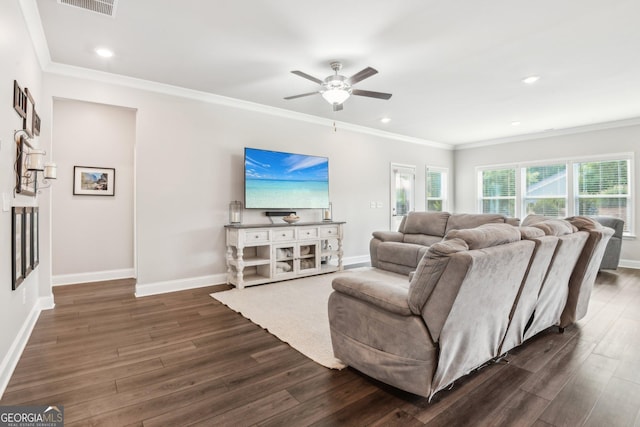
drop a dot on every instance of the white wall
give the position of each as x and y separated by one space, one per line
189 166
92 236
18 309
592 143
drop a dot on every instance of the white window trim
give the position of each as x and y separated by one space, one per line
444 190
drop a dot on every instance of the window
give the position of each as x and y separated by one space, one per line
436 189
498 191
588 187
602 188
545 190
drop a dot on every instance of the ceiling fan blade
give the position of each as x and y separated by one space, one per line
361 75
371 94
307 76
337 107
301 95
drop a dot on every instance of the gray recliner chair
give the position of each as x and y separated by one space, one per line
611 256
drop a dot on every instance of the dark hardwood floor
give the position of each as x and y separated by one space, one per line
183 358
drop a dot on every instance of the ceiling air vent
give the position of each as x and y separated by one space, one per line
103 7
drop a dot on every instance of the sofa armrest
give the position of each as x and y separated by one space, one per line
389 236
389 297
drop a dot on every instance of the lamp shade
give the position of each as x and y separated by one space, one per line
335 96
35 160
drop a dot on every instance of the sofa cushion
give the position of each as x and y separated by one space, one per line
429 271
486 235
400 253
388 236
421 239
584 223
555 227
528 233
533 219
431 223
461 221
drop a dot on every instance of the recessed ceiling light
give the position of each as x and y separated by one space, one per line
515 123
105 53
385 120
530 80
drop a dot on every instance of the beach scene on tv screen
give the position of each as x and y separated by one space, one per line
285 180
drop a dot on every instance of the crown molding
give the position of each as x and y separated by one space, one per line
147 85
36 32
633 121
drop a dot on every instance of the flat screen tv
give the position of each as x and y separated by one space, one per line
277 180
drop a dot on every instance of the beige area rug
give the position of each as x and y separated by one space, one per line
295 310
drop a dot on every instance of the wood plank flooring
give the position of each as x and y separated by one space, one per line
185 359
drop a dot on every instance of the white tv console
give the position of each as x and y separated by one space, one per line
264 253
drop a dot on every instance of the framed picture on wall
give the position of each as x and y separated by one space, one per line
28 119
27 219
35 237
17 248
92 181
19 100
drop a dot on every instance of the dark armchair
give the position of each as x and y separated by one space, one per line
612 252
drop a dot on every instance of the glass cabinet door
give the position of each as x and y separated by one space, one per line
284 256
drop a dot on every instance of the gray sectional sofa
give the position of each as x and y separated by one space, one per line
401 251
475 294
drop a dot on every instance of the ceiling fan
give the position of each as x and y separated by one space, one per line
336 89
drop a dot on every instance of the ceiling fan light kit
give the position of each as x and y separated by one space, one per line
336 89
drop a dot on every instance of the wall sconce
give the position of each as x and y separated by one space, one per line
33 161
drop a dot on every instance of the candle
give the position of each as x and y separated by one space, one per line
50 171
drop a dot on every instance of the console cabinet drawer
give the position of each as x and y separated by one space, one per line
258 236
329 231
307 233
285 234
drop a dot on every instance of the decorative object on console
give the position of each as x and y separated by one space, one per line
235 212
92 181
291 218
327 214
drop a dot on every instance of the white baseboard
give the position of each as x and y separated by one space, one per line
96 276
628 263
10 361
356 259
146 289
